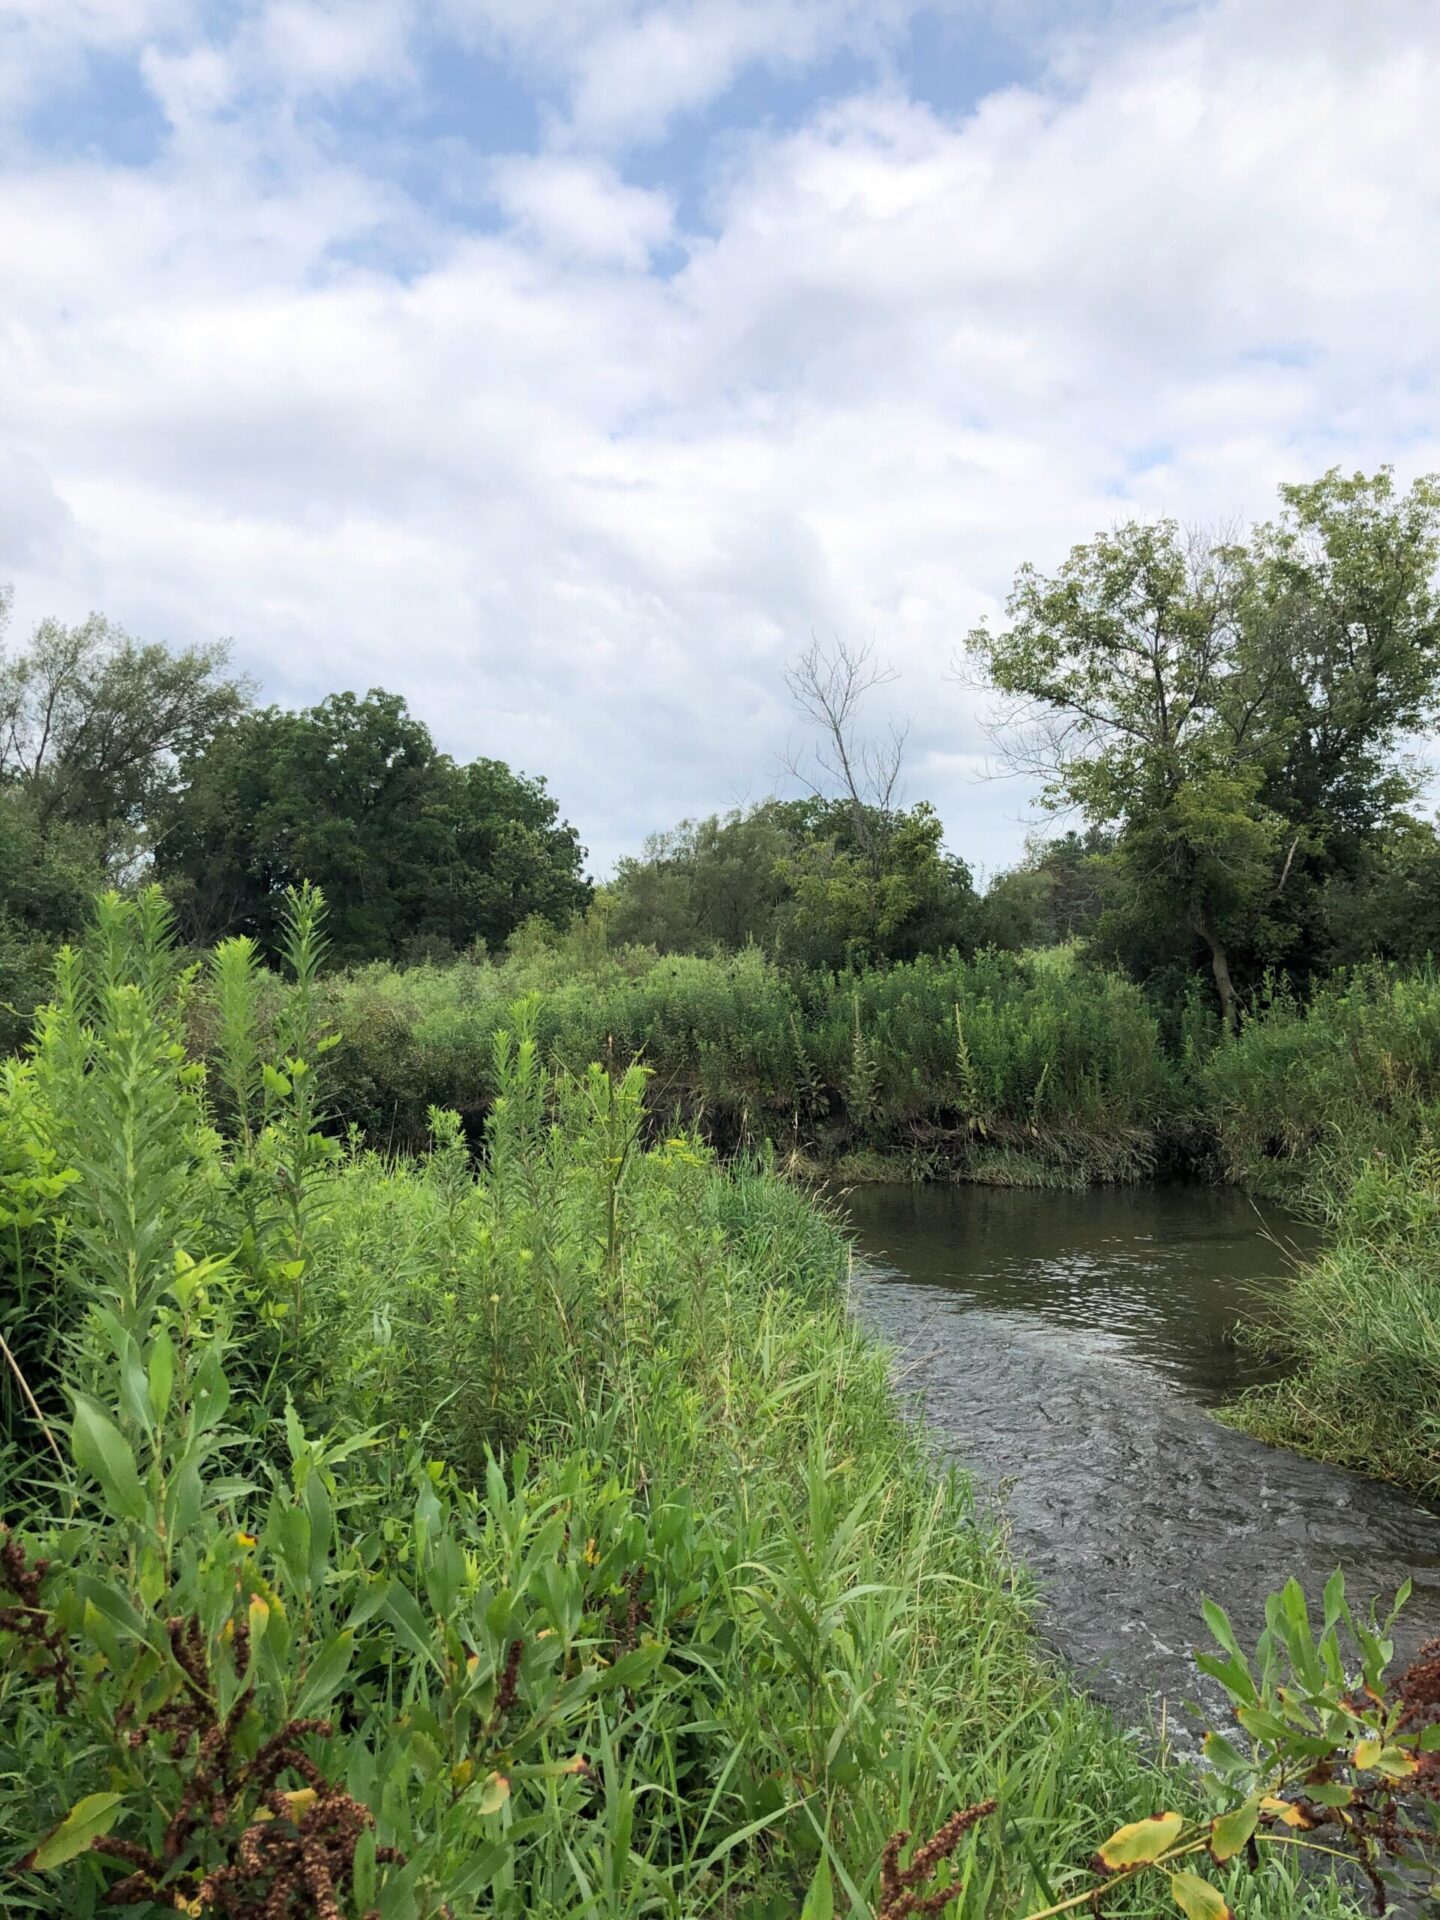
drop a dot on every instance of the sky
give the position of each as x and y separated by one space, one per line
565 365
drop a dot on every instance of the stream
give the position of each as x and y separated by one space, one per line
1065 1348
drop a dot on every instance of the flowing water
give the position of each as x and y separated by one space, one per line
1066 1348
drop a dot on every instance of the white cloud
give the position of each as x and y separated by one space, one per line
627 68
581 209
44 44
580 508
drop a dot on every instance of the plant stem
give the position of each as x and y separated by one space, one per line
31 1401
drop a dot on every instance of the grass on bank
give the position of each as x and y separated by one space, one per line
1035 1070
942 1061
1335 1105
532 1539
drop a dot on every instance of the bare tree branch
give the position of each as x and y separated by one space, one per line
828 686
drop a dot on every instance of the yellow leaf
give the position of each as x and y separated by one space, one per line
259 1618
300 1801
1198 1900
461 1774
1286 1812
1141 1842
1396 1764
494 1793
1366 1753
87 1820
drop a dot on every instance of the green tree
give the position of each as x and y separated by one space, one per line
1234 711
506 857
711 884
94 725
857 899
1058 892
796 878
354 795
47 883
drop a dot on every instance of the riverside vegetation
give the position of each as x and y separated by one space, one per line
424 1537
443 1476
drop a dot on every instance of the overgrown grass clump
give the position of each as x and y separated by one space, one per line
1335 1105
1361 1329
420 1538
1310 1091
945 1062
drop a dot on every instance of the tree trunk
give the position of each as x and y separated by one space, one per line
1220 967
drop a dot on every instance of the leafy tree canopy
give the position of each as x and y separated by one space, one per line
1234 710
94 725
414 852
803 880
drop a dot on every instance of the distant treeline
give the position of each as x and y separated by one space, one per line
1231 718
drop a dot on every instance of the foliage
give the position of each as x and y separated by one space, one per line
1064 1061
47 882
93 726
1328 1743
1056 894
810 881
1337 1104
1234 710
568 1555
413 852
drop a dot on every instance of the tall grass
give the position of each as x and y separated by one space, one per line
1336 1105
1309 1091
531 1538
1048 1061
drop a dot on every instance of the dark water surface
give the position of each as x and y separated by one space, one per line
1066 1347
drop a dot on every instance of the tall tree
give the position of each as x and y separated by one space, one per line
1230 707
354 795
859 773
94 724
505 856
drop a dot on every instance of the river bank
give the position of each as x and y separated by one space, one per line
1038 1071
669 1601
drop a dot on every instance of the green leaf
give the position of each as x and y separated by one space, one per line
1230 1831
325 1675
1224 1755
1142 1841
1330 1796
1198 1900
820 1900
410 1623
102 1450
161 1374
89 1819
